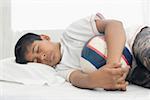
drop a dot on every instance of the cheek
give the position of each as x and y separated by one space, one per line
45 48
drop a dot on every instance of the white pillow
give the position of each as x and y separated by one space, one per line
31 73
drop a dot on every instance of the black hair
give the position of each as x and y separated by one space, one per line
22 44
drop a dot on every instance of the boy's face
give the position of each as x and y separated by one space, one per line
44 51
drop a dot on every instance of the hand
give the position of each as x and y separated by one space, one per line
110 77
123 81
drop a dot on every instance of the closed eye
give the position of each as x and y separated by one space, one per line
36 49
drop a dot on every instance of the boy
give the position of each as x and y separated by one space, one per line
65 56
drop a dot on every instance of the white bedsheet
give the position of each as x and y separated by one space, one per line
61 91
11 91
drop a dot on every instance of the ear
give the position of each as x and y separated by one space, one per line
44 37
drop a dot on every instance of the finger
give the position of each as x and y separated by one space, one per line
127 66
110 89
122 78
125 70
118 71
122 86
124 89
117 65
114 65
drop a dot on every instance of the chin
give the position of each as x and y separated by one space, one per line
51 65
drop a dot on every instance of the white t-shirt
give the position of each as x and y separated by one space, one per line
131 33
72 41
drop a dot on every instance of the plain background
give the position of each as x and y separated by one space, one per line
19 15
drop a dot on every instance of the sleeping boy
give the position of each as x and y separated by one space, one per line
65 55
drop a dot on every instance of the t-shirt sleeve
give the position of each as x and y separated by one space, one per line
84 28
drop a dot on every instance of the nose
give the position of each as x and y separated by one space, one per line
40 57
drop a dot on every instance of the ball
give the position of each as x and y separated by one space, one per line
94 55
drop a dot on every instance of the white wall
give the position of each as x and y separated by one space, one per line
1 30
5 29
58 14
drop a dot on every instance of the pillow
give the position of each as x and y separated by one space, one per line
28 74
94 55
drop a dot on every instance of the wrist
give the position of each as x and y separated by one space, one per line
111 62
93 80
88 82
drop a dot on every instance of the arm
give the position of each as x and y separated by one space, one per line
115 38
109 76
106 77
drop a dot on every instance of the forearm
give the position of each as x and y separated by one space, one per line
81 80
106 77
115 39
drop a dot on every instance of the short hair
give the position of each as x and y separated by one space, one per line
21 46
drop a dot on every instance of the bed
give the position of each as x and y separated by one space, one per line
11 91
40 82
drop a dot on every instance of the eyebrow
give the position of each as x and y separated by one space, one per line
33 52
33 49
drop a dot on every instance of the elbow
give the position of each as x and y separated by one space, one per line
120 24
117 22
112 24
116 28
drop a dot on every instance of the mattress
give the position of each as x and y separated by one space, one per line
40 82
13 91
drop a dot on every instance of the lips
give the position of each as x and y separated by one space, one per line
52 56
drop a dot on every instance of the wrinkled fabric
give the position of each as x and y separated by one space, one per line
141 52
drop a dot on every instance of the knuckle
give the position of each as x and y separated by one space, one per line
114 79
112 86
113 72
109 72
